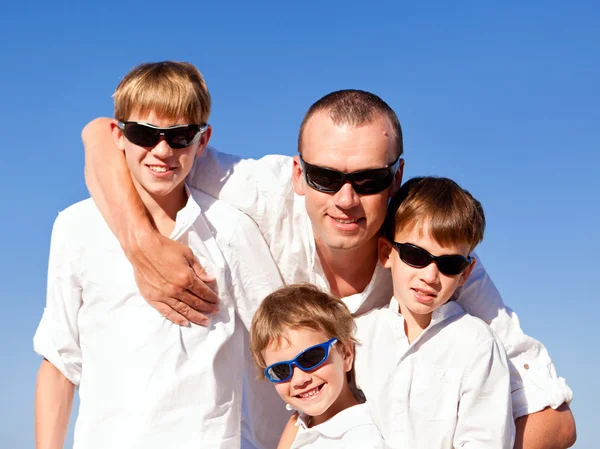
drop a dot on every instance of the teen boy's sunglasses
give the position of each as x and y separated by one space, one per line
307 360
364 182
146 135
419 258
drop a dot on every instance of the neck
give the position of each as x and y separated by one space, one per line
345 400
414 323
162 210
348 271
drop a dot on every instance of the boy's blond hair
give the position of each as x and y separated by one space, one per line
299 306
168 89
451 212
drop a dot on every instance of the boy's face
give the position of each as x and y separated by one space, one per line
422 290
314 392
159 170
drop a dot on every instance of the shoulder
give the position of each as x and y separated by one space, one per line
470 330
79 221
374 321
364 436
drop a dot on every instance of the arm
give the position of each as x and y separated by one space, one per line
289 433
53 403
167 273
535 384
484 411
533 430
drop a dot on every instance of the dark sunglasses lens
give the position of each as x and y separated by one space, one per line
452 265
280 371
414 256
372 181
311 357
322 179
181 137
141 135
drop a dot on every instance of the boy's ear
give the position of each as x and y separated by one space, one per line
384 252
297 178
348 356
204 138
465 274
118 136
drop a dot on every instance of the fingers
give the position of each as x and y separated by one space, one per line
200 271
170 314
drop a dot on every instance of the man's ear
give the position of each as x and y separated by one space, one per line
118 136
297 178
384 252
465 274
204 138
397 178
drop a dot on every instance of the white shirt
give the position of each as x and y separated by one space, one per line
263 189
143 381
449 388
352 428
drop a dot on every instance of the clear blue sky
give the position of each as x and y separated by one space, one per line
503 99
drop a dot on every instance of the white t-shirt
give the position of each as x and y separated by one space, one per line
144 382
449 388
352 428
263 189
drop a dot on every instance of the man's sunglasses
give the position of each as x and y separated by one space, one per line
417 257
307 360
364 182
146 135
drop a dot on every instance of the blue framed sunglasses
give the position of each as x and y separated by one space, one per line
307 360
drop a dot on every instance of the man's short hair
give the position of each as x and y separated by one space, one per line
298 306
451 212
168 89
356 108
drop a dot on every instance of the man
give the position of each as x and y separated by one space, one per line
328 216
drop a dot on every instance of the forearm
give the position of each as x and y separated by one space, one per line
547 429
53 403
109 182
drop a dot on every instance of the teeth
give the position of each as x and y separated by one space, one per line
157 168
309 394
339 220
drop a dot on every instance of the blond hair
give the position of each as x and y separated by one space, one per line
168 89
299 306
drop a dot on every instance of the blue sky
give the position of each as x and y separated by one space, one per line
502 99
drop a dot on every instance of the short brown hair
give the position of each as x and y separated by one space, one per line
298 306
169 89
356 108
451 212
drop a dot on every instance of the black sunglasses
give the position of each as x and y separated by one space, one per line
417 257
146 135
364 182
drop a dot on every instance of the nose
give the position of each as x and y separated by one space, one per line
300 379
346 197
430 274
162 150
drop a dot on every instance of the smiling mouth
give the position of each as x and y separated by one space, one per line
310 393
159 168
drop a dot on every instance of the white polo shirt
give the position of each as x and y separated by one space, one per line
144 382
447 389
263 189
352 428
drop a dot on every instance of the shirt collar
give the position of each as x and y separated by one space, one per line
352 417
440 314
186 216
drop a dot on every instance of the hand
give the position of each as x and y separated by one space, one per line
170 278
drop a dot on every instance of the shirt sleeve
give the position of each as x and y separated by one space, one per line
484 411
535 384
57 336
254 274
260 188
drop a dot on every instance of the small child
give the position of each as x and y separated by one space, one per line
143 381
302 340
436 377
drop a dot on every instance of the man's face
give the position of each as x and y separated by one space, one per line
345 220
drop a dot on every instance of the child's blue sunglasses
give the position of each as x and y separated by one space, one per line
307 360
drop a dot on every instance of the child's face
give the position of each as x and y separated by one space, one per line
422 290
314 392
159 170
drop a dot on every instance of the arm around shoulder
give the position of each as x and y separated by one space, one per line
289 433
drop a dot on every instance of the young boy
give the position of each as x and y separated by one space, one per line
143 381
302 340
436 377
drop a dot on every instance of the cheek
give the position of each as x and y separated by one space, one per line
283 389
375 206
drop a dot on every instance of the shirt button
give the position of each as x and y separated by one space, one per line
526 366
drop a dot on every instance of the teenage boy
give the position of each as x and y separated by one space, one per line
436 377
143 381
320 213
302 341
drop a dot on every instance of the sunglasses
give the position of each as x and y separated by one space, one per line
417 257
307 360
146 135
364 182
